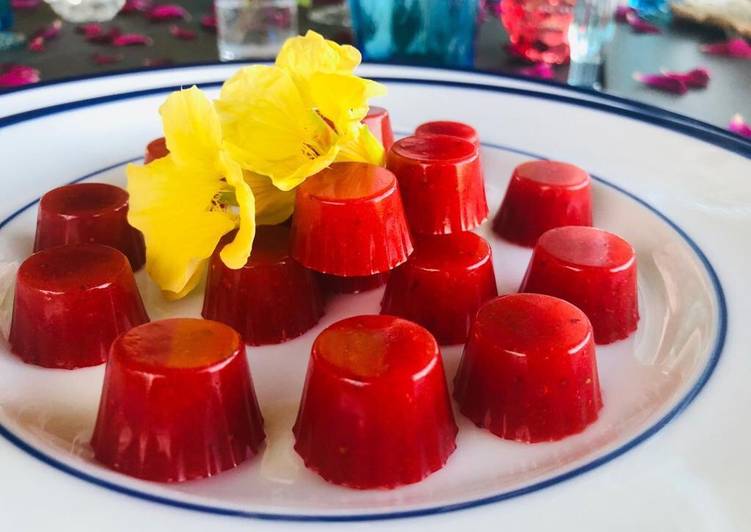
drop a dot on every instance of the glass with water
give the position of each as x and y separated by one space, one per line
591 29
254 29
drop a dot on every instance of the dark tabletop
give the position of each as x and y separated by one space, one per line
677 48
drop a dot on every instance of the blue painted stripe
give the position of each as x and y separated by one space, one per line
218 510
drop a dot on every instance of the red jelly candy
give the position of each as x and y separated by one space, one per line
269 300
156 149
593 269
440 178
529 372
89 212
349 221
452 129
543 195
379 124
352 285
375 412
177 403
442 284
71 302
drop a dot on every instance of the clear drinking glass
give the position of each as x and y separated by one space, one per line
590 30
86 10
254 29
537 29
416 31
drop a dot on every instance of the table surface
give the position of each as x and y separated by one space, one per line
675 49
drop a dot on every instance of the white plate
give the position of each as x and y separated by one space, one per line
679 192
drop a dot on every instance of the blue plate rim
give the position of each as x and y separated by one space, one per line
677 409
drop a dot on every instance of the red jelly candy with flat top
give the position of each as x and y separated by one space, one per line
269 300
177 403
375 411
156 149
349 221
529 372
450 128
440 178
352 285
593 269
442 284
379 124
543 195
71 302
89 213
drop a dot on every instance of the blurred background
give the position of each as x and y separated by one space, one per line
689 56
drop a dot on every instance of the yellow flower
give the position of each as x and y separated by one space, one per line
292 120
185 202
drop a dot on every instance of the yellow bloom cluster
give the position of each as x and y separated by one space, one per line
235 163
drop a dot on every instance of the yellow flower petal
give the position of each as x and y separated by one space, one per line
235 254
362 147
191 126
273 206
169 204
269 129
343 99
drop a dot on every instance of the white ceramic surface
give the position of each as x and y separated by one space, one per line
702 188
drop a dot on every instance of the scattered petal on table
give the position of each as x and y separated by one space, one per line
135 6
36 44
106 59
25 4
739 126
663 83
622 13
182 33
16 75
737 47
132 39
208 22
540 70
697 78
639 25
157 61
50 31
164 12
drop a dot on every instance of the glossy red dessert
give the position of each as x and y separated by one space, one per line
379 124
529 372
70 303
450 128
593 269
334 284
156 149
375 412
442 284
349 221
89 213
177 403
271 299
543 195
440 178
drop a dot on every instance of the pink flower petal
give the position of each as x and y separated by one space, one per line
165 12
17 75
737 47
36 44
106 59
739 126
639 25
540 70
185 34
50 31
697 78
132 39
622 13
135 6
208 22
25 4
157 61
663 83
